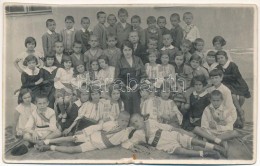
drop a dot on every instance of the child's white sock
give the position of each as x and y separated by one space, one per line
217 140
201 154
209 146
53 147
47 141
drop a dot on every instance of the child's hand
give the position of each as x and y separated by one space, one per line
35 136
39 81
212 125
222 123
66 132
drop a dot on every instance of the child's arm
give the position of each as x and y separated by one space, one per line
17 66
45 44
179 37
25 82
137 138
57 83
204 119
16 119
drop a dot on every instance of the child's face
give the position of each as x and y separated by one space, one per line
179 60
216 101
111 42
30 46
69 24
115 95
122 17
144 94
123 121
185 48
167 40
49 61
198 86
102 18
42 104
95 96
137 122
84 97
199 46
151 24
152 58
161 23
194 64
135 23
67 64
95 66
31 64
221 59
133 37
188 19
51 26
216 80
165 94
127 52
59 48
174 21
165 59
27 98
210 59
93 42
218 46
80 68
85 23
77 48
102 63
152 44
111 20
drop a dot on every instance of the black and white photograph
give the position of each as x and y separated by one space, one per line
167 84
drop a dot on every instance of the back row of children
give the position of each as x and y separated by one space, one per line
64 72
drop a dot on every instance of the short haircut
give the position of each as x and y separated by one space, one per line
29 40
76 42
197 41
58 42
136 17
216 72
133 32
127 44
161 17
222 53
99 13
41 96
104 57
84 18
196 57
122 10
219 39
200 78
66 58
186 41
167 33
176 15
112 15
216 93
71 18
152 39
22 93
50 55
151 20
111 36
187 13
211 53
30 58
48 21
94 89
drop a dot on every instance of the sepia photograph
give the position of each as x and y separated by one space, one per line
152 84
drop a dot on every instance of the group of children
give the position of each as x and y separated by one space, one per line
185 92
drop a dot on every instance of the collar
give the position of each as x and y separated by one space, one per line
123 24
84 30
226 65
78 103
29 71
201 94
219 108
166 48
49 69
72 29
49 32
58 55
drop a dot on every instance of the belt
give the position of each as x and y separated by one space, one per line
42 126
157 137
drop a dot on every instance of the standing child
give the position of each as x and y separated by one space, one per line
176 31
50 37
30 44
100 30
93 53
186 46
77 57
195 63
112 52
191 32
135 22
68 35
153 31
23 111
161 22
111 20
83 34
122 27
168 48
199 45
59 54
210 62
219 42
139 49
234 81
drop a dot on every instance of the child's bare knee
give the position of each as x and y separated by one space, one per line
196 129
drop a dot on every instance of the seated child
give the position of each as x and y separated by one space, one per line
93 53
23 111
68 35
42 122
93 71
111 29
100 30
112 52
234 81
135 22
199 45
176 31
199 100
168 48
50 37
153 32
217 121
161 22
139 49
186 46
76 56
210 62
82 36
164 137
59 54
81 77
30 44
151 48
191 32
195 63
218 43
106 74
